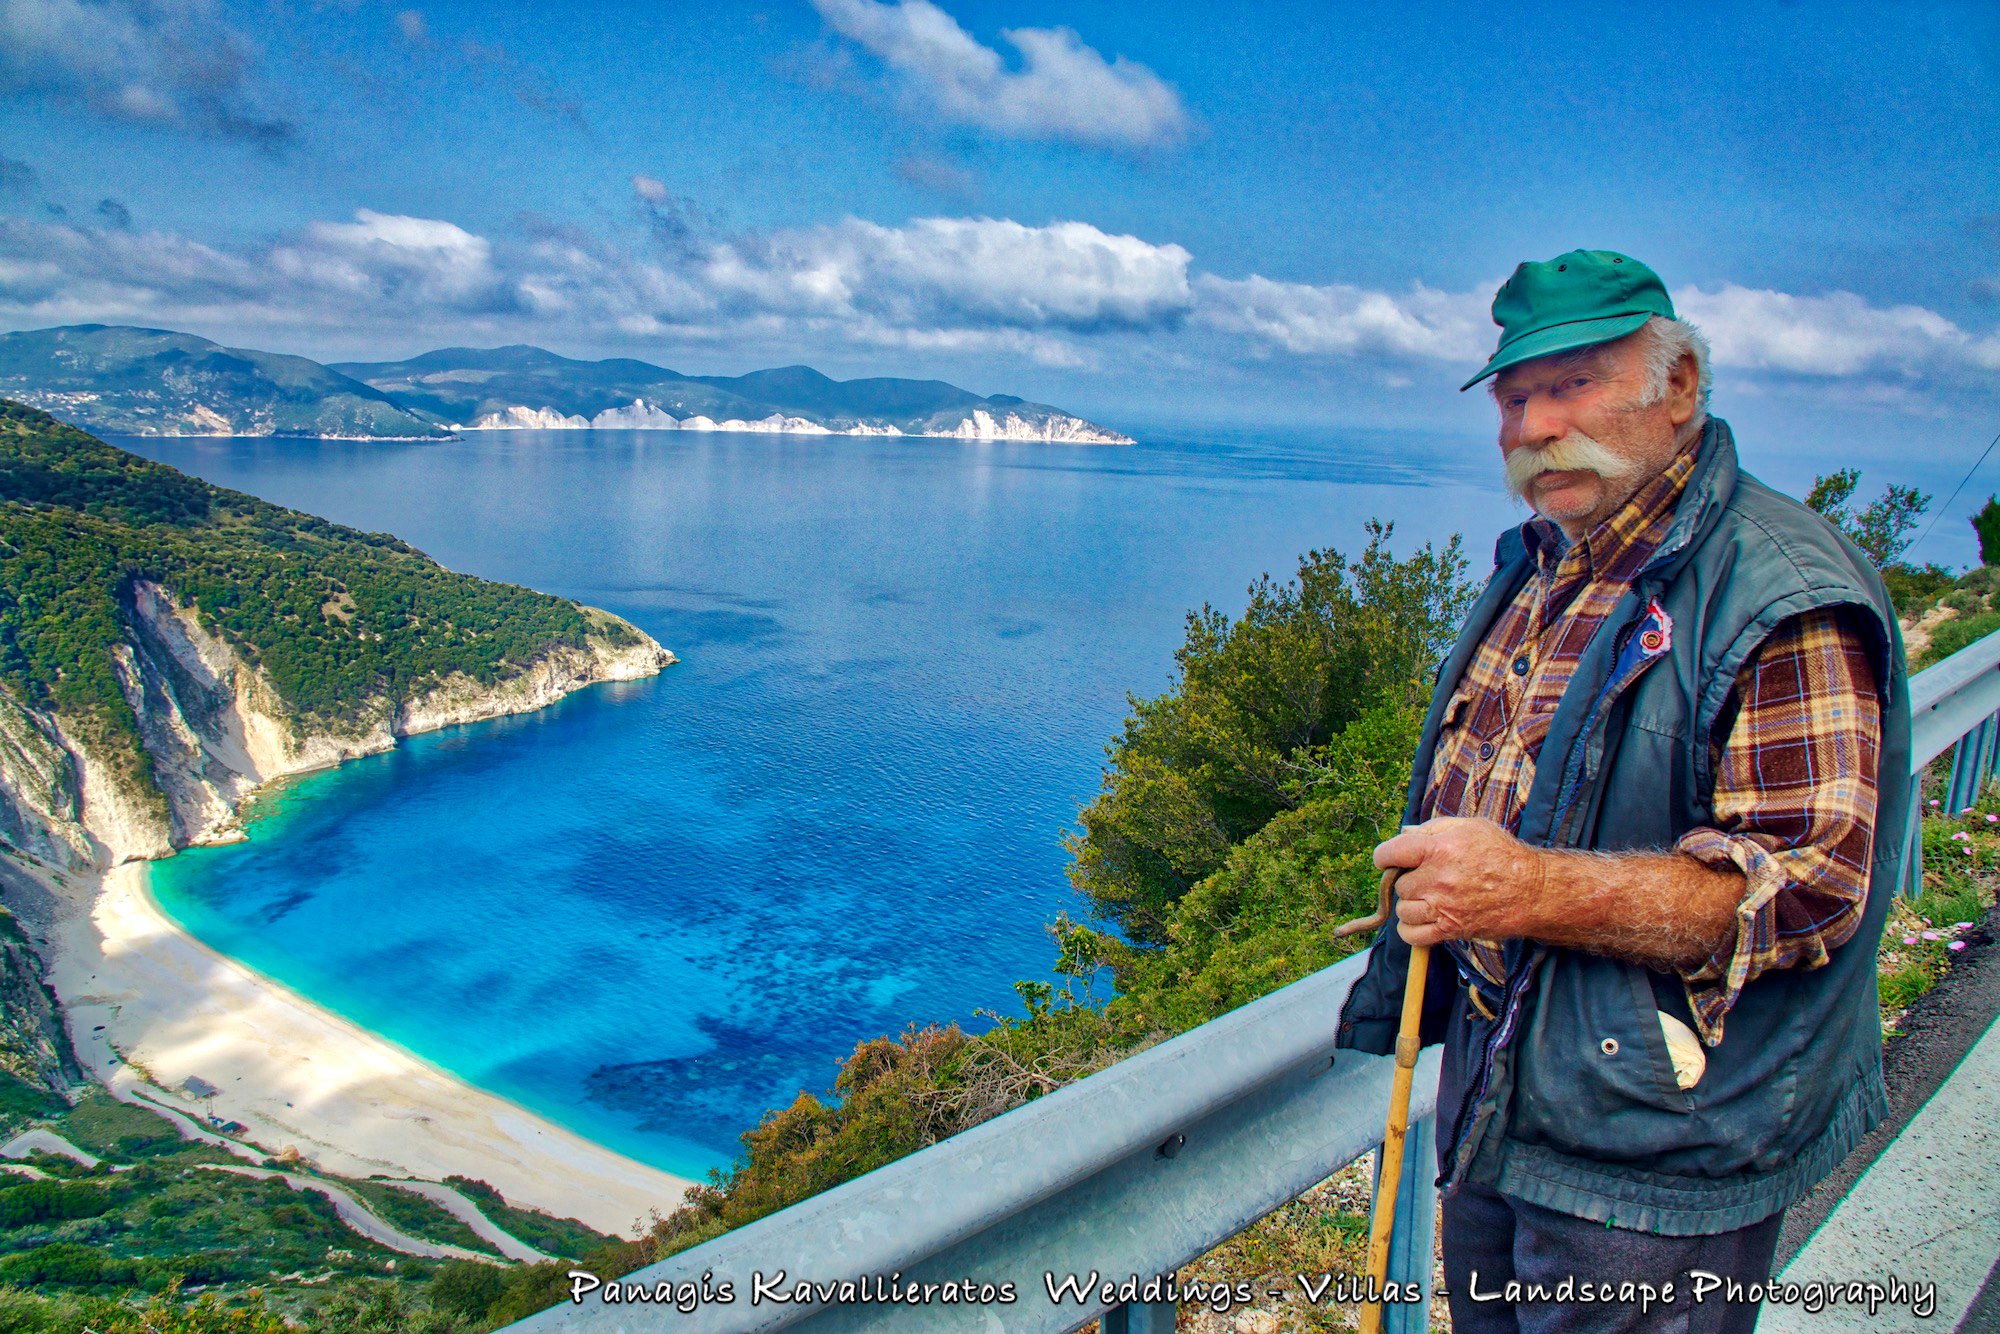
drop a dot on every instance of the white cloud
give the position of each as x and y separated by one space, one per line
1336 320
951 284
385 258
1062 90
166 62
1838 334
1063 294
977 272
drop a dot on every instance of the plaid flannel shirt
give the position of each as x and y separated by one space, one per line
1795 750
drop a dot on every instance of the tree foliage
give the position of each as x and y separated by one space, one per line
1207 764
1884 529
1986 524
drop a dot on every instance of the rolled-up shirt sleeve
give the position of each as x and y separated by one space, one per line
1794 806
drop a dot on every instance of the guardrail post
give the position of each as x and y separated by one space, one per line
1139 1318
1913 856
1412 1241
1971 764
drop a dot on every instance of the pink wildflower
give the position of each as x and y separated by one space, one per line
1909 940
1934 801
1957 945
1932 935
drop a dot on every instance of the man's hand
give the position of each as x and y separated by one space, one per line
1471 879
1463 879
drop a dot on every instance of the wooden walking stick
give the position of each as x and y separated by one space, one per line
1389 1178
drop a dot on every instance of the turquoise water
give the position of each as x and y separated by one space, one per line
659 908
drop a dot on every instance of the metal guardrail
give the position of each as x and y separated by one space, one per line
1138 1169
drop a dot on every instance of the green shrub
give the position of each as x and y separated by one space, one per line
1963 601
1913 588
1986 524
467 1288
1952 636
1207 764
19 1098
47 1201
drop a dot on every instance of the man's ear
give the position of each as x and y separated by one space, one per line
1683 388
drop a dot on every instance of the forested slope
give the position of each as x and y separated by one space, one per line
166 644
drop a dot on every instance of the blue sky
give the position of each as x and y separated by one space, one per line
1282 212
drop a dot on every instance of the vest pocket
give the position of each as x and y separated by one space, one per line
1593 1075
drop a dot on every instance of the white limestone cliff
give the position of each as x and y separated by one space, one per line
641 415
981 425
214 729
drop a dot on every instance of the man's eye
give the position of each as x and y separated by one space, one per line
1575 382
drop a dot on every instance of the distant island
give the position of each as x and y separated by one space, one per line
119 380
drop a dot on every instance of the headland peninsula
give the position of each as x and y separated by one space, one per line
118 380
171 648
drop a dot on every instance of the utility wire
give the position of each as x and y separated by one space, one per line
1938 513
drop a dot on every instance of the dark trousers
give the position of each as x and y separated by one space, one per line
1508 1240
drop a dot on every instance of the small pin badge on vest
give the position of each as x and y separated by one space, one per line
1656 631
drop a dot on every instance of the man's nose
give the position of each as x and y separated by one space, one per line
1543 421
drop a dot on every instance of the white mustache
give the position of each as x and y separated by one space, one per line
1575 452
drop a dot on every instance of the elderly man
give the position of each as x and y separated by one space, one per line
1642 824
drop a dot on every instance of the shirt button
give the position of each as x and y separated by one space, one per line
1486 750
1521 666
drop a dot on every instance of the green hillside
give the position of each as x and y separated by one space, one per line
462 384
126 381
339 620
165 1235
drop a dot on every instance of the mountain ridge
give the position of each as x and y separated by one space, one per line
119 379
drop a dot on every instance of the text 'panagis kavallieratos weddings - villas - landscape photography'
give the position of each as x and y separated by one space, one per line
720 666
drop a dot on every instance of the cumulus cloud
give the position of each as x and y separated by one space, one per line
1835 335
1064 293
1336 320
384 260
952 283
164 62
1062 88
960 271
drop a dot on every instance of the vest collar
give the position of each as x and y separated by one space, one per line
1708 493
1701 504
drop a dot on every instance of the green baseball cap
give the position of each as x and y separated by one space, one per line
1571 301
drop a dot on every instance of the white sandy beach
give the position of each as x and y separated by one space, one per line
301 1077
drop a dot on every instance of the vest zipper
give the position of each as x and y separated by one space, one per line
1517 986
